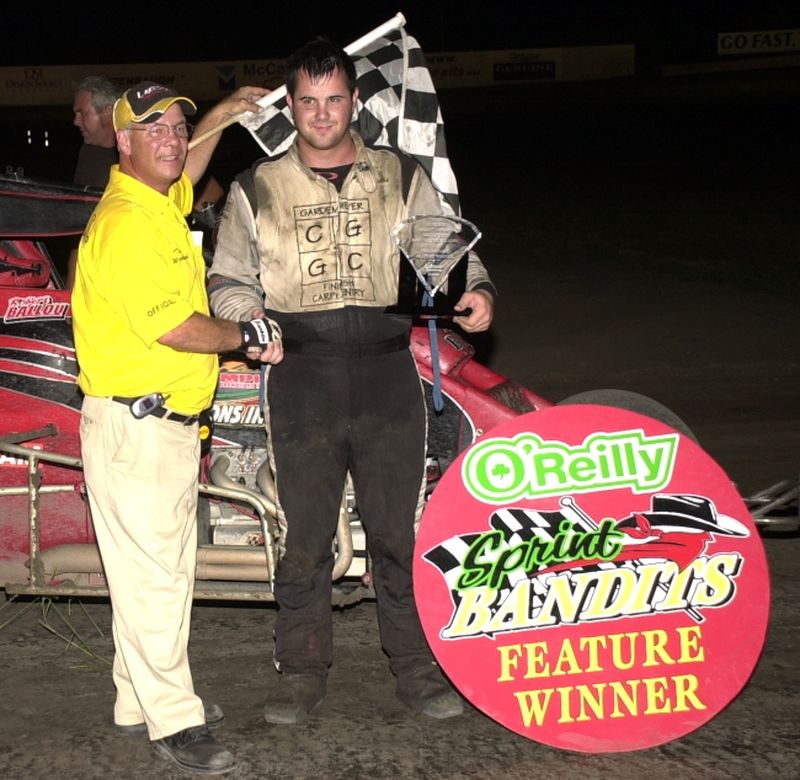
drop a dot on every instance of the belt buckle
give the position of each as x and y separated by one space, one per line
174 416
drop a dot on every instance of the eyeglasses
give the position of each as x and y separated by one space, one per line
160 132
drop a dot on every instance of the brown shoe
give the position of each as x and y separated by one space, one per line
195 750
298 694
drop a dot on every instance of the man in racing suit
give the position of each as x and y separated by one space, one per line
313 234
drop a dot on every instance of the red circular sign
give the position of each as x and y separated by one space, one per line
591 579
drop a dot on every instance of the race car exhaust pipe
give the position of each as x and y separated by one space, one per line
213 563
266 484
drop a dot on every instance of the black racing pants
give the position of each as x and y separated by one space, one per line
328 415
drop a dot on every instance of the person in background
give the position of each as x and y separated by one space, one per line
310 231
92 104
147 354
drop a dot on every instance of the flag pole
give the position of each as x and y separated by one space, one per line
395 23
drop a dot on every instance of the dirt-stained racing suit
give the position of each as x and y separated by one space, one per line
347 395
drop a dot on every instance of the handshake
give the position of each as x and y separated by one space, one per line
257 334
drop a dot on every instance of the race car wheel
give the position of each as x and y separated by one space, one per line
633 402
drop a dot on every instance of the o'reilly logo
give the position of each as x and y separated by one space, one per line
526 466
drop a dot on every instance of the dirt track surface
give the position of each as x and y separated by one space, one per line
645 239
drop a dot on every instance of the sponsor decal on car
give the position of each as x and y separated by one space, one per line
237 400
237 414
35 307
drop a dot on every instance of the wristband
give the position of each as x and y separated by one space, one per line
256 333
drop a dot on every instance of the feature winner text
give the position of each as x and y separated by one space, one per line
635 655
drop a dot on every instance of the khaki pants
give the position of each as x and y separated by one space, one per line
141 478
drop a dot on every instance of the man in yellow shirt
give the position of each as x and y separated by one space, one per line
147 350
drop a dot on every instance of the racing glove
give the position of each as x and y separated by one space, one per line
259 333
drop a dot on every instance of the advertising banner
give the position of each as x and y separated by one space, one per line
42 85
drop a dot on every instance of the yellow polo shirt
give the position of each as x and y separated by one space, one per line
139 275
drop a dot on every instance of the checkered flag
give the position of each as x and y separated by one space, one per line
397 107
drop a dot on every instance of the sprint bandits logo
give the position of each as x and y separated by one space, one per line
592 580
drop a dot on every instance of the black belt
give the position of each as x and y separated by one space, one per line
161 411
334 349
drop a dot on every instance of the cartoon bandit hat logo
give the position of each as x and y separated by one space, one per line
676 512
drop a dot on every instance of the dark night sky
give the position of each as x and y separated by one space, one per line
89 33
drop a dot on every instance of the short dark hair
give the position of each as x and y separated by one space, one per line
319 58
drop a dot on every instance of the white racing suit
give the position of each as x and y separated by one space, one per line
347 396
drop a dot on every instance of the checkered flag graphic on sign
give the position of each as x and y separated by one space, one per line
448 556
517 526
521 525
397 107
